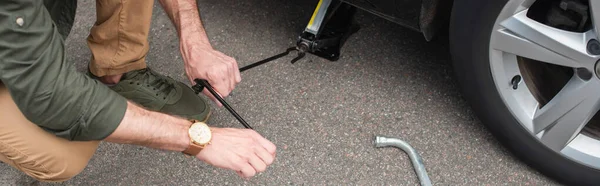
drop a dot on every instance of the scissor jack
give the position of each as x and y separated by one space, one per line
330 26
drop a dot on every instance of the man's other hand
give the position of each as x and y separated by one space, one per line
241 150
220 70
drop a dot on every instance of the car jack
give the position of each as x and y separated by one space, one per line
330 26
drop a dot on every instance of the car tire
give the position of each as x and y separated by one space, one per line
471 26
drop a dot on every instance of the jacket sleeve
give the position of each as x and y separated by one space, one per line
47 89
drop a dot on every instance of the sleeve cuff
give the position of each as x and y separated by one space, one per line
106 123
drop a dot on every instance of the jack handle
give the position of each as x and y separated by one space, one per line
201 84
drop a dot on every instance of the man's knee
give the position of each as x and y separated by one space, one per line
46 169
66 172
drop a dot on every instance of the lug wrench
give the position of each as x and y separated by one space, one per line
415 158
202 83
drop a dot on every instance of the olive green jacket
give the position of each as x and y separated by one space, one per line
45 86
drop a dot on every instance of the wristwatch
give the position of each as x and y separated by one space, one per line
200 136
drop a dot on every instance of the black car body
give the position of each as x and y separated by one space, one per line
426 16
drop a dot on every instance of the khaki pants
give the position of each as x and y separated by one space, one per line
119 38
118 42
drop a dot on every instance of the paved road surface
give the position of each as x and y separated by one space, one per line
322 115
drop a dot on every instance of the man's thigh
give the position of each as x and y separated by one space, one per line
37 153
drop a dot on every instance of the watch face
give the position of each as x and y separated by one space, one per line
200 133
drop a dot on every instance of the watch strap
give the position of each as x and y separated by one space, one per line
192 149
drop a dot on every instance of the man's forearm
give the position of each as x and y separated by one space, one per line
151 129
186 19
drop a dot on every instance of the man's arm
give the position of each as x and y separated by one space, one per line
240 150
151 129
186 19
201 60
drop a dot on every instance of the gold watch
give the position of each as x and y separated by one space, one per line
200 136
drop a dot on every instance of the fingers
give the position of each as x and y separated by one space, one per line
239 173
261 153
268 145
247 171
240 150
234 72
223 79
231 77
259 160
266 157
221 82
238 77
210 96
258 164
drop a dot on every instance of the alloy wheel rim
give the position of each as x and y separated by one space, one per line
558 123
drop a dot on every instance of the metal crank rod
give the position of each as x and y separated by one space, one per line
202 83
300 55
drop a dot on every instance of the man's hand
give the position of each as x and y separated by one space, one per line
203 62
241 150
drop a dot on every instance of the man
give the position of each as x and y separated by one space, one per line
52 117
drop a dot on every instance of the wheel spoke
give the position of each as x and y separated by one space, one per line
528 38
595 10
567 113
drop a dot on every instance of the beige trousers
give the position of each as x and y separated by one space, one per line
35 152
119 38
118 42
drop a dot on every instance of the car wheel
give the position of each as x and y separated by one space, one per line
530 71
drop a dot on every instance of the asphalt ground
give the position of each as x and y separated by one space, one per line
322 115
